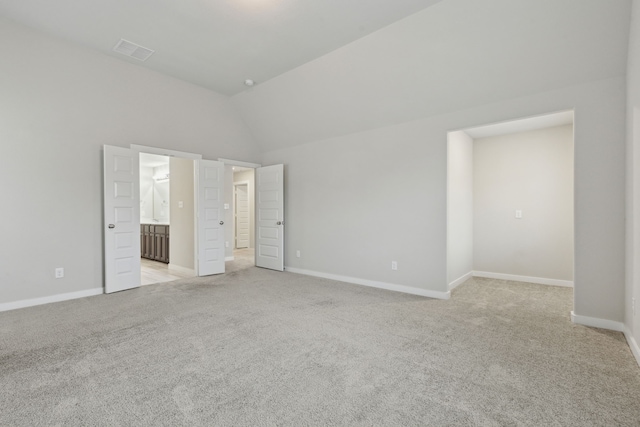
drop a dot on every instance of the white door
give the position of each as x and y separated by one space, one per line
121 219
210 217
270 217
242 216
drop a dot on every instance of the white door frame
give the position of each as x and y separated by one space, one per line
230 162
137 149
235 233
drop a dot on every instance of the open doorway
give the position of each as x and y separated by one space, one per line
243 237
510 201
167 226
211 185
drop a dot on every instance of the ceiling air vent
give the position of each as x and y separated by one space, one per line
133 50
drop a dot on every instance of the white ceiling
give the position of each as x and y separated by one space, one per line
215 43
522 125
450 57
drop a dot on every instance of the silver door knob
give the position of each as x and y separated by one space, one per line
221 222
279 223
112 226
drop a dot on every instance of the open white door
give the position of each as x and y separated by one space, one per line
270 217
210 217
121 219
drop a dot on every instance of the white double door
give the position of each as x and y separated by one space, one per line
122 218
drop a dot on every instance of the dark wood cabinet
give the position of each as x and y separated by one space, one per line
154 242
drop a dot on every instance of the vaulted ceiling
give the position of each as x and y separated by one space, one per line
217 44
325 68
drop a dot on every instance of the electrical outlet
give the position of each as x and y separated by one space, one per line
59 273
519 214
394 265
181 204
298 254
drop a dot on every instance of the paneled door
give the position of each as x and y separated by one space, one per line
121 219
242 216
270 217
211 251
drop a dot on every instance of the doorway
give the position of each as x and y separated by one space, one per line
167 220
243 214
213 187
510 201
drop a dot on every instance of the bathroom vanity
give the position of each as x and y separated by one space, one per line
154 242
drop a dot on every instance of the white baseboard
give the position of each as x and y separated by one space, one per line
459 281
373 284
229 258
53 298
594 322
633 344
515 278
183 270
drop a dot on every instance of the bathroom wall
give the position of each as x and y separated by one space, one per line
161 194
146 194
182 241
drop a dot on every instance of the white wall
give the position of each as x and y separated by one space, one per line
632 322
249 176
161 195
459 207
356 202
59 105
531 172
182 229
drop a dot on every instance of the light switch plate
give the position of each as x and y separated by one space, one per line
226 205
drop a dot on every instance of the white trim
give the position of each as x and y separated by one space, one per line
515 278
633 345
594 322
460 280
373 284
229 258
229 162
180 269
164 152
53 298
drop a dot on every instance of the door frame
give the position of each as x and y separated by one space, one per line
231 162
137 149
235 213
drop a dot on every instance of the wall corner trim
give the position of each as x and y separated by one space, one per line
597 323
633 344
527 279
460 280
53 298
373 284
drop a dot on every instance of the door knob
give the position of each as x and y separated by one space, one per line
221 222
112 226
279 223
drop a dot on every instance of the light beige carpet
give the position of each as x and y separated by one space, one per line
260 348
